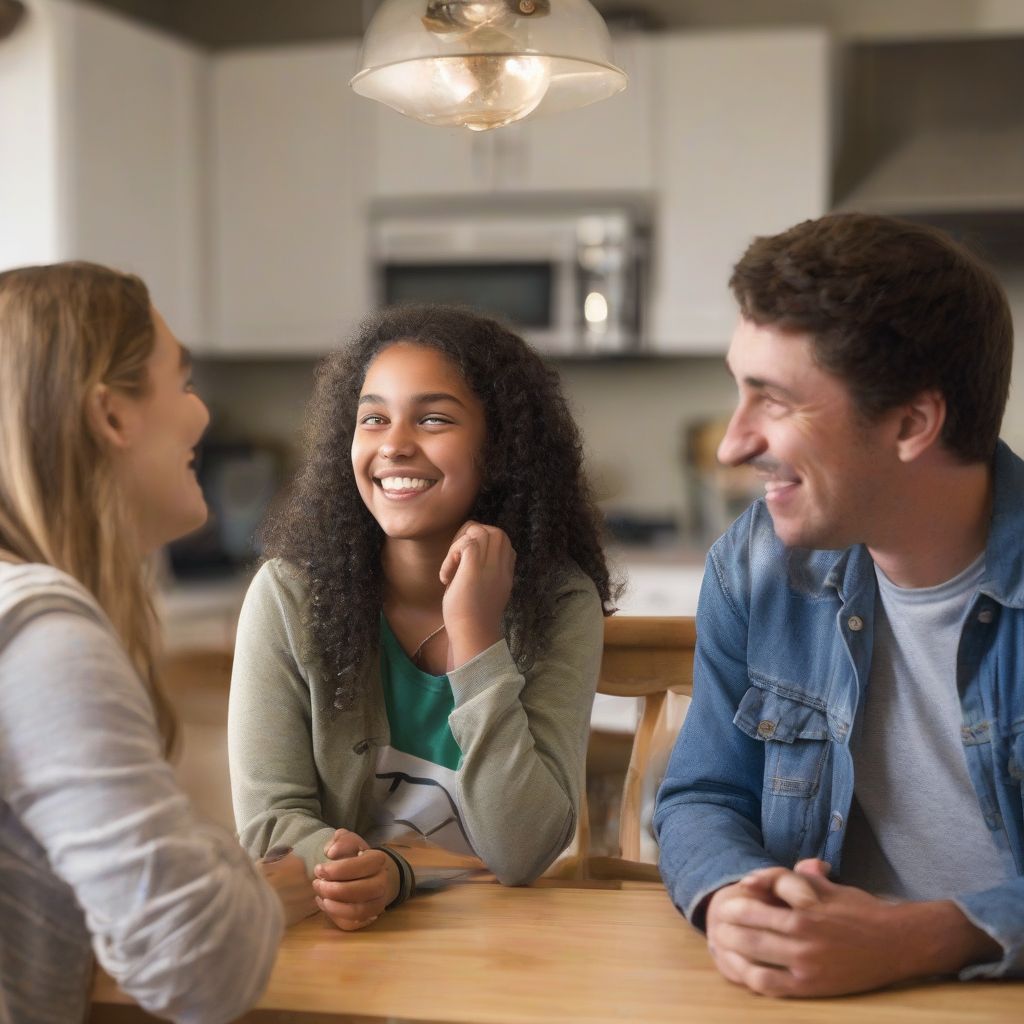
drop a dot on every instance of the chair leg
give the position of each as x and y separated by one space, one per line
632 791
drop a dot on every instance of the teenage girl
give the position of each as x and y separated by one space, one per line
98 846
417 659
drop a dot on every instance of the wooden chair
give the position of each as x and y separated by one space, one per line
646 657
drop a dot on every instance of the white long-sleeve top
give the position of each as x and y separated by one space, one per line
98 845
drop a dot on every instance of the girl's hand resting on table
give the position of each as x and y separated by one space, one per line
477 572
355 885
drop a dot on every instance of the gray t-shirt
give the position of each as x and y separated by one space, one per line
916 829
98 845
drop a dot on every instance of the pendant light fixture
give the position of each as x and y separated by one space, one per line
481 64
11 12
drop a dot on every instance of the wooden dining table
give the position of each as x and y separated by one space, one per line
471 950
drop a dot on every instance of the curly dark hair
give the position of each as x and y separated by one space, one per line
893 308
534 489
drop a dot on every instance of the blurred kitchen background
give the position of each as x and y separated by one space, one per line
215 148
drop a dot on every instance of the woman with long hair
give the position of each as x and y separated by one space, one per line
416 660
98 845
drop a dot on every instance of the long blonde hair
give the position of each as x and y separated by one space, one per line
64 329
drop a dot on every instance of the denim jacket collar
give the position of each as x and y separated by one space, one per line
1004 552
849 571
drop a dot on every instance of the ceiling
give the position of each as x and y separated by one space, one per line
227 24
223 24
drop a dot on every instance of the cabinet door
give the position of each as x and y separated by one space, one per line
414 159
743 150
608 146
131 103
29 144
290 149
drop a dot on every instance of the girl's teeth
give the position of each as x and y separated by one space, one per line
404 483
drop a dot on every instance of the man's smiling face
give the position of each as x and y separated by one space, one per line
826 471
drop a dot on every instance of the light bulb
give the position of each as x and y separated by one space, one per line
595 310
489 90
477 91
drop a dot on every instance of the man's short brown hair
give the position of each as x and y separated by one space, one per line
893 309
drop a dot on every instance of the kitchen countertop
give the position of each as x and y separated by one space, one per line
201 614
678 554
188 608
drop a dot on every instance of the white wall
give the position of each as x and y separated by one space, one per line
28 141
634 418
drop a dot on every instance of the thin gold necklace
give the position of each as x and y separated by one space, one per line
425 641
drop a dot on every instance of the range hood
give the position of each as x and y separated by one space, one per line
945 169
932 127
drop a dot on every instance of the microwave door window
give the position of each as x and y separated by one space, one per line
518 292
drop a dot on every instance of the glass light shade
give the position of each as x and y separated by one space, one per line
484 63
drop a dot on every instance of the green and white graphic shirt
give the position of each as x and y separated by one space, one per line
415 792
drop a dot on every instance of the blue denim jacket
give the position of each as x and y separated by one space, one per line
762 772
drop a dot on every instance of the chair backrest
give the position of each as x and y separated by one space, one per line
647 657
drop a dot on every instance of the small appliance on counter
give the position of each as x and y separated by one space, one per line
634 529
572 280
238 479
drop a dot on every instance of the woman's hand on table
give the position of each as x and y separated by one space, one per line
356 882
286 874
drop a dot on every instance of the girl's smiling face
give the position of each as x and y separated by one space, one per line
417 445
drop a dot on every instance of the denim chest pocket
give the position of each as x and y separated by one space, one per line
1015 763
1014 760
795 735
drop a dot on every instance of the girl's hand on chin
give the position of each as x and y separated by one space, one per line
355 885
477 573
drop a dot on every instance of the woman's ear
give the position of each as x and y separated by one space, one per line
105 412
921 424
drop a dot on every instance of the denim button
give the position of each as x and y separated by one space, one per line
836 823
856 623
765 728
985 615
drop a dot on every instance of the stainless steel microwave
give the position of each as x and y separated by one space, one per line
571 282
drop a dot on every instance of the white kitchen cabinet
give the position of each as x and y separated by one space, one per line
134 106
112 127
290 155
414 159
604 147
743 149
29 142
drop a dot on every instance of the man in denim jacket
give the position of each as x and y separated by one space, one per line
843 809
